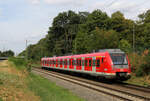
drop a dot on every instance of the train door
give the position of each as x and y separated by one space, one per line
49 62
78 64
102 64
56 62
53 62
61 63
65 63
71 63
88 64
98 64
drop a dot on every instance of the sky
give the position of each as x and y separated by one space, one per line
22 20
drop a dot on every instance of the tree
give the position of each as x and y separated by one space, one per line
7 53
0 53
64 29
125 46
143 27
95 40
97 19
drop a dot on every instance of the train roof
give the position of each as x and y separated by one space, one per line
111 50
99 52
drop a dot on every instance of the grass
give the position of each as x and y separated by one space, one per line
49 91
39 86
13 85
1 99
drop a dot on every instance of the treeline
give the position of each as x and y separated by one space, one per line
84 32
8 53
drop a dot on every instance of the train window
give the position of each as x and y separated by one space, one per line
57 62
86 62
79 62
66 62
82 62
94 62
73 62
69 61
54 61
90 62
61 62
102 60
98 63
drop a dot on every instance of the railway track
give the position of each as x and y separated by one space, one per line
135 87
121 94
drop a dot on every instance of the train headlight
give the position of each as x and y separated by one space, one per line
105 69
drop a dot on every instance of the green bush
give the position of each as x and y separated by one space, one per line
144 68
139 72
20 63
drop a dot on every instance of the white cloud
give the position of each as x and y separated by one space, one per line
35 1
65 2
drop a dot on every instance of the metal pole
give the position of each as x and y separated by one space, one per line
133 38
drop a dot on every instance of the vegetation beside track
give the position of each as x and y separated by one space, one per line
140 67
17 83
12 83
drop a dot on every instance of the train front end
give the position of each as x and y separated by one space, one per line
120 65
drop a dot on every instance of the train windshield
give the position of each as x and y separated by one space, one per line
119 58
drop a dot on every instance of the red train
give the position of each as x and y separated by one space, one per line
107 63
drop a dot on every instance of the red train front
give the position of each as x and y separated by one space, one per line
108 63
